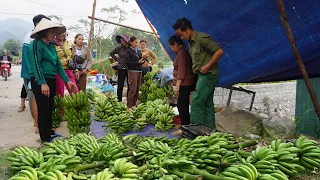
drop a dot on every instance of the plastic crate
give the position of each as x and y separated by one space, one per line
194 130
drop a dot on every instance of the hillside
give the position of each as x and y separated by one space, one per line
14 28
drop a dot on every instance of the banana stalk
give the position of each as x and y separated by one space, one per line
89 166
204 174
185 175
240 145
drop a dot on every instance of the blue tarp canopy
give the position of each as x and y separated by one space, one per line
250 32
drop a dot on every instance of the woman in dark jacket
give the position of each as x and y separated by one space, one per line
184 80
134 61
122 68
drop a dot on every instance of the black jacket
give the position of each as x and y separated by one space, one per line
132 59
9 58
120 59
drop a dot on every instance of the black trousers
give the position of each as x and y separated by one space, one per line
183 103
145 71
23 92
122 75
45 108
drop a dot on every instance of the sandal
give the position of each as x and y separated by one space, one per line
22 108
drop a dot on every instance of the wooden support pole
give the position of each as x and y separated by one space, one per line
91 27
298 57
117 24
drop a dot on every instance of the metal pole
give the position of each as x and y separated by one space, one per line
298 57
91 27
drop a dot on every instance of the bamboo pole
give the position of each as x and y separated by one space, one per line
117 24
298 57
92 26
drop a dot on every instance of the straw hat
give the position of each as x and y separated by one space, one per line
124 36
47 24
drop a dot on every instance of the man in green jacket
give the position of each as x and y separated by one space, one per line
205 54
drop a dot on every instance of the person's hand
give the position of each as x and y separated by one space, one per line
45 90
141 61
176 90
76 75
70 84
204 69
19 61
84 71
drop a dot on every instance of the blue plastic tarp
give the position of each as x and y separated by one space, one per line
250 32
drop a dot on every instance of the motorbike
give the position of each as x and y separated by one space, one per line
5 69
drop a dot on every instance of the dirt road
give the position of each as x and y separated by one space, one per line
17 129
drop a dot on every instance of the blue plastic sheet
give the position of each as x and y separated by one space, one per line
98 131
250 32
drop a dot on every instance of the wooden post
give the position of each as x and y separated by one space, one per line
91 27
298 57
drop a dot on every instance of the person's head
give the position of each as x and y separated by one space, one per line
48 34
4 52
175 44
122 39
143 44
38 18
183 28
78 40
123 42
134 42
61 37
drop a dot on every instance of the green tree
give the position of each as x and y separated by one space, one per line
12 46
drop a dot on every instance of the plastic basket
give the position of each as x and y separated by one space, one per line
194 130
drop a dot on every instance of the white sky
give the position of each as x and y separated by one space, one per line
70 10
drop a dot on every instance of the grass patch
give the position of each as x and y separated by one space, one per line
5 172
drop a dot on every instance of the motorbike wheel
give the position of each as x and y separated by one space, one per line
5 75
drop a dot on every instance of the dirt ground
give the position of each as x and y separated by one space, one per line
17 129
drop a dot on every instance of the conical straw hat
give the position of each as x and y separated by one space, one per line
47 24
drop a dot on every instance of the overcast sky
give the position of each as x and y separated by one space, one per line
70 10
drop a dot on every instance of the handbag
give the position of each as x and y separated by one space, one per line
70 63
79 59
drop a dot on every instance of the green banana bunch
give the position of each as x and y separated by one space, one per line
91 94
141 123
22 157
78 121
220 139
165 122
309 153
104 175
124 169
73 130
84 144
242 172
110 152
274 175
55 175
51 164
111 138
149 149
28 173
78 101
58 149
151 115
120 123
58 102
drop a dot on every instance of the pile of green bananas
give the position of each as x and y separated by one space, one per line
120 123
27 173
110 152
84 144
124 169
106 174
149 149
55 175
24 156
244 171
111 138
274 175
150 91
54 149
79 101
77 113
107 106
91 94
57 111
53 163
309 153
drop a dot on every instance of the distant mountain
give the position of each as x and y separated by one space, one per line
13 28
